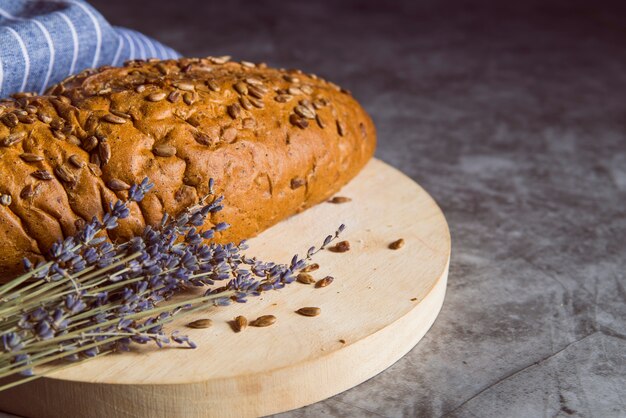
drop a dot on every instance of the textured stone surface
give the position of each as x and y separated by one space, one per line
514 119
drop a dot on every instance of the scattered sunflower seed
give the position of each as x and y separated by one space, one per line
310 267
5 200
324 282
200 323
240 323
140 88
340 199
263 321
305 278
341 247
397 244
309 311
248 64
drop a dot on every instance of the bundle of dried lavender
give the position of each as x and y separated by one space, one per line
93 297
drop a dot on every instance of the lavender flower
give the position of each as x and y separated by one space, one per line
93 297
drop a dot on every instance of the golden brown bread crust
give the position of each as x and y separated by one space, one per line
275 141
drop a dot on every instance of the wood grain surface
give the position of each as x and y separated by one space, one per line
379 306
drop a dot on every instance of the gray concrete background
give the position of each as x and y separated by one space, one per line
514 118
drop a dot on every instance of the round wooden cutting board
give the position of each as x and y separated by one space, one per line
379 306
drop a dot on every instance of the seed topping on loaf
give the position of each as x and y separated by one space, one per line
277 141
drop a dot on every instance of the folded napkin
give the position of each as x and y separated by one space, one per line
44 41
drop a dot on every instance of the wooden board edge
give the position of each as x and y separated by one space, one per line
334 374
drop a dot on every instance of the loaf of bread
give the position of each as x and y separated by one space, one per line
275 141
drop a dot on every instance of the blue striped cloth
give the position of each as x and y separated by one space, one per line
44 41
